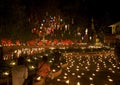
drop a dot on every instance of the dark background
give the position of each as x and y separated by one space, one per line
18 16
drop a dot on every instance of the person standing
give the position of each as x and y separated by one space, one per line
44 67
117 50
19 72
43 71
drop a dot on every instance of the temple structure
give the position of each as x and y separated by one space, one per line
95 39
115 34
116 29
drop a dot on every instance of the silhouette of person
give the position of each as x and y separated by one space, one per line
57 56
117 50
19 72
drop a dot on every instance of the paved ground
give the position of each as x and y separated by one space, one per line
89 70
84 69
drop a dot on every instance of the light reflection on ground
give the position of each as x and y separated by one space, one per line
89 70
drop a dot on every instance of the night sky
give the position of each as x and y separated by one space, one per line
14 14
88 8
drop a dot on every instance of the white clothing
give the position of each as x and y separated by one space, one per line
19 74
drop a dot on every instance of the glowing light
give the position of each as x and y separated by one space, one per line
53 70
58 80
6 73
73 73
90 78
67 81
65 77
86 67
97 70
13 63
113 71
77 69
118 67
78 83
77 66
82 74
65 73
50 61
110 80
78 76
42 24
86 31
58 66
91 84
39 78
110 69
108 76
69 71
31 67
28 60
93 74
90 38
35 58
61 20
